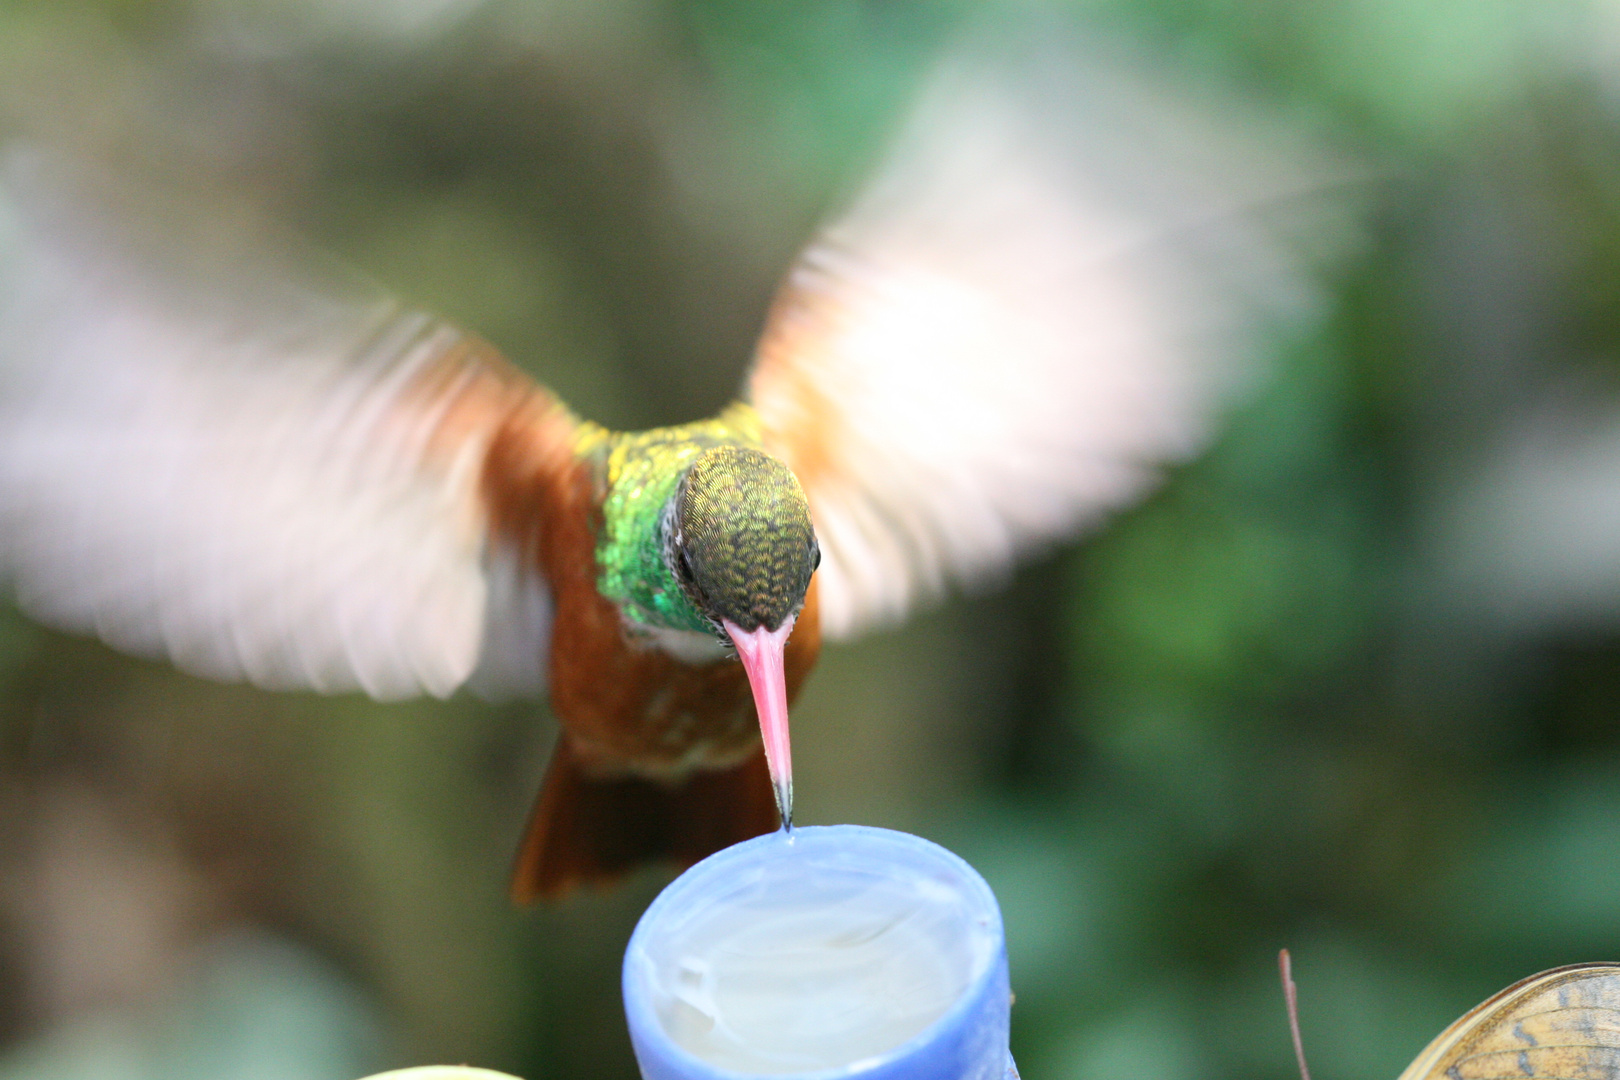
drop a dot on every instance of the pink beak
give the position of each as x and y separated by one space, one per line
761 654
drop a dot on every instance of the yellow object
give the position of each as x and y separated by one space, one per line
1560 1023
442 1072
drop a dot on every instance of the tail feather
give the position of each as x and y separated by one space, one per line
588 831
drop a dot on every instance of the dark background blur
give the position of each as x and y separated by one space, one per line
1340 685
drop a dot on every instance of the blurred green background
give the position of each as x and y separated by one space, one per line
1278 704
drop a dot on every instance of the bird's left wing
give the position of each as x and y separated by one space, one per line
1050 289
251 475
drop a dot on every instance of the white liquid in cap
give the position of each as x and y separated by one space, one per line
812 965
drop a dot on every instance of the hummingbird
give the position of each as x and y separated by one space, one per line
213 454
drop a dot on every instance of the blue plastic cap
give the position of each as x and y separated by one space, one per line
832 953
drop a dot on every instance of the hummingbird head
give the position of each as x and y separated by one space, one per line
740 540
740 543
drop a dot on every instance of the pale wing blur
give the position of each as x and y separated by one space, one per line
218 465
1053 285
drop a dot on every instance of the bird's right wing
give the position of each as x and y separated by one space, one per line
250 475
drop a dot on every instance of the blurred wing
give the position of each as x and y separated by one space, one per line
1046 294
250 477
1562 1023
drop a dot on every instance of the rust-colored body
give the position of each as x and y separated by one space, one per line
657 757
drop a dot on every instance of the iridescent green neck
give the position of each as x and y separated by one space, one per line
643 470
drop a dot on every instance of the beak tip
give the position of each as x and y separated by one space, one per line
784 801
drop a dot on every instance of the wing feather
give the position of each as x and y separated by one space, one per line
253 476
1058 276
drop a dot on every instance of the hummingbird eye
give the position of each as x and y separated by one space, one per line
815 555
